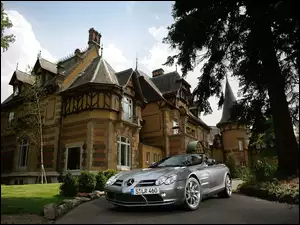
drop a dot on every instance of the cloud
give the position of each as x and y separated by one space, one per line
129 6
115 58
23 51
157 55
157 17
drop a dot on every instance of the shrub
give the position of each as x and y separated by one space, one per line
86 182
69 187
273 191
264 170
100 181
244 173
230 163
109 173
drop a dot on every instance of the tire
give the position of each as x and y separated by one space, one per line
227 192
192 194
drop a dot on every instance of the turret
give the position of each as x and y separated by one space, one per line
234 136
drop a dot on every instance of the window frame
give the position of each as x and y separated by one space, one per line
11 116
73 145
148 158
23 143
154 157
240 145
128 151
127 105
175 127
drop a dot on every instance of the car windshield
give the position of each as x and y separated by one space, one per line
179 160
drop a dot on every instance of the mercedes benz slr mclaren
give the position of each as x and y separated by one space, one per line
179 180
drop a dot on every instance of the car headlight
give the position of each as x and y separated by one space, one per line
111 180
166 179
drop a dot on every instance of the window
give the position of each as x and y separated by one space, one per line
10 118
73 159
158 157
241 146
23 152
16 90
123 151
148 157
175 127
127 108
154 157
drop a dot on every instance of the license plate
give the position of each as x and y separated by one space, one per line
144 191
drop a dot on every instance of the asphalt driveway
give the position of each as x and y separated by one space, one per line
238 209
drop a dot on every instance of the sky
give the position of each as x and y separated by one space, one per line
129 30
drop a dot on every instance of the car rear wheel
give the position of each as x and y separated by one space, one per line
192 194
227 192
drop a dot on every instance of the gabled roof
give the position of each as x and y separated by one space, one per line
168 83
46 65
22 77
65 66
150 91
9 98
98 72
123 76
229 101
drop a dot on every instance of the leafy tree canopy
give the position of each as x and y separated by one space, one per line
257 43
6 40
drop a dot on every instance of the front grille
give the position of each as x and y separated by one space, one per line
129 198
153 198
118 183
145 183
133 199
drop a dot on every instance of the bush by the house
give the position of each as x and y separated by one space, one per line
230 163
86 182
100 181
109 173
273 191
264 170
69 187
244 173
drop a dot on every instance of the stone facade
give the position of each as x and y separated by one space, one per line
95 118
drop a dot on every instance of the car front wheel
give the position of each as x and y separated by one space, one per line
192 194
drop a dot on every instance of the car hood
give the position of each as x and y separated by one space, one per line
148 173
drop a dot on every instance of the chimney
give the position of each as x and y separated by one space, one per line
157 72
94 38
77 52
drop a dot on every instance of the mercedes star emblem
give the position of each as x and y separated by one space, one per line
130 182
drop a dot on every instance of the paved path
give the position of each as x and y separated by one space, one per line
238 209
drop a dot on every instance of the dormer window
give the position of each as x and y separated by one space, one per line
16 90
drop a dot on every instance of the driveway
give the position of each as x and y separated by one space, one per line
238 209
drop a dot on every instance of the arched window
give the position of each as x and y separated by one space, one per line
123 153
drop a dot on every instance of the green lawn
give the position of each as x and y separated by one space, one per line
30 198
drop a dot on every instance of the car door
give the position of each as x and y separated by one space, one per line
202 174
216 174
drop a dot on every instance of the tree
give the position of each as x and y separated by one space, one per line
30 125
257 43
6 40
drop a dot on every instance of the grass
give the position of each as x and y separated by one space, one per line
28 199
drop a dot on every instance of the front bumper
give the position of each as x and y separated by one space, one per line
169 194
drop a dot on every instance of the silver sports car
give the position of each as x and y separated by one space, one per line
180 179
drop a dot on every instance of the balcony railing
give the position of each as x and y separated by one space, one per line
130 118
